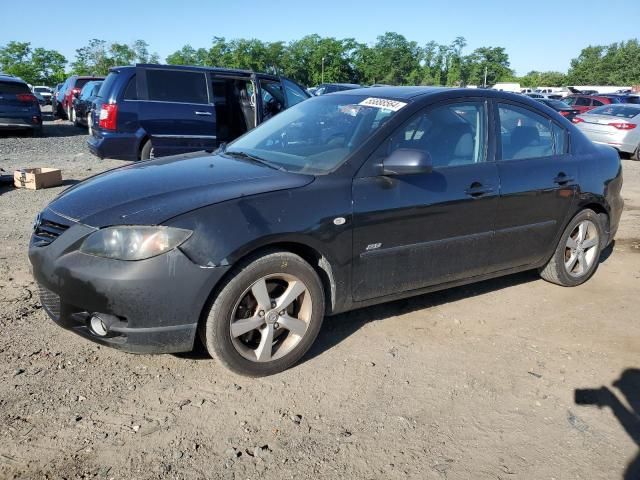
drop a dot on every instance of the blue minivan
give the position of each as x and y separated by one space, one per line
146 111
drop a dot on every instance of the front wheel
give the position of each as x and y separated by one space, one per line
266 316
578 252
636 155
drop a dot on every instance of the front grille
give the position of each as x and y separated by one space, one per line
50 301
47 230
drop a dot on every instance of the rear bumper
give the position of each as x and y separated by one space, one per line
122 146
21 122
154 305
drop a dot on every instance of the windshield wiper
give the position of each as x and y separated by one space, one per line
253 158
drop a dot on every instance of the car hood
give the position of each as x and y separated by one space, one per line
154 191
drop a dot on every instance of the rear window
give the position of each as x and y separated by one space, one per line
13 88
583 101
105 88
618 110
41 89
177 86
81 82
630 99
557 104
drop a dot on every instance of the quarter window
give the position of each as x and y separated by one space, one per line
583 102
452 134
177 86
525 134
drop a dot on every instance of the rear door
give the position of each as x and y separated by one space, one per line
175 109
538 184
271 98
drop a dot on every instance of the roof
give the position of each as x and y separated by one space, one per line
11 78
393 92
229 71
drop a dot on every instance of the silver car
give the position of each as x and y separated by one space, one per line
617 125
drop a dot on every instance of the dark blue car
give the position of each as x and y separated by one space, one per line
146 111
19 108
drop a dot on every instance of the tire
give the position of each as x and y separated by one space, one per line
636 155
89 125
575 260
68 113
237 328
75 118
147 151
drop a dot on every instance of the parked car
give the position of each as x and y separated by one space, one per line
45 92
19 108
584 103
54 99
157 110
559 106
325 88
616 125
70 90
83 103
622 98
41 101
250 247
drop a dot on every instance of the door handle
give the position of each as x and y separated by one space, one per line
478 190
563 179
206 114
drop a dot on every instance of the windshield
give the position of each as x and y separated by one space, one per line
317 135
618 110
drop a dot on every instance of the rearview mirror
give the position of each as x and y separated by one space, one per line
407 161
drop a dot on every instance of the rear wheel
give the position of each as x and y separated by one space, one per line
266 316
577 255
74 117
636 154
89 125
147 151
68 113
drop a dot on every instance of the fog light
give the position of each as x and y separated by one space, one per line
98 326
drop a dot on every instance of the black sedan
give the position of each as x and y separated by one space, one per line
340 202
82 104
564 109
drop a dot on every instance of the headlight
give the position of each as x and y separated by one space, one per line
133 242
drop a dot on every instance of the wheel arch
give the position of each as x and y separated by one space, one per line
316 259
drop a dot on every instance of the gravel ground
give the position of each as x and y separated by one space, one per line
474 382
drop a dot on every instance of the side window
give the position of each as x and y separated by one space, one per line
597 103
293 92
131 90
569 100
272 98
453 134
583 102
525 134
177 86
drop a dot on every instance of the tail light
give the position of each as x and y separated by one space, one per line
577 120
108 116
26 98
564 113
623 126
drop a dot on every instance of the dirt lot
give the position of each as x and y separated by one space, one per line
471 383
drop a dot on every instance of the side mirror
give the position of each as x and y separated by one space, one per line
407 161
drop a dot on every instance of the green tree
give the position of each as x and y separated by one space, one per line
614 64
492 60
35 66
546 79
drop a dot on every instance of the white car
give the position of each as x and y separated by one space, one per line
44 91
617 125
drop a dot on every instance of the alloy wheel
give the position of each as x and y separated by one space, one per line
271 318
581 249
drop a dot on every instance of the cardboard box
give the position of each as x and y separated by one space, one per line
36 178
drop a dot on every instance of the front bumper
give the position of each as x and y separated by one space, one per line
157 302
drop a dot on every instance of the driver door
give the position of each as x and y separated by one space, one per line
413 231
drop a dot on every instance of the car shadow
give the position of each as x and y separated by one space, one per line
339 327
628 413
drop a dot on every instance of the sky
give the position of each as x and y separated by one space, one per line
538 35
